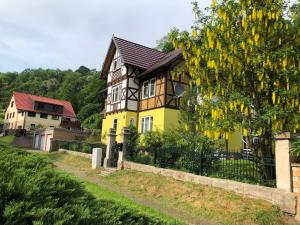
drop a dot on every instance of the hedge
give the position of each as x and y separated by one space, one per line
33 192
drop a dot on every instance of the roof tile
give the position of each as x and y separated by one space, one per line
25 101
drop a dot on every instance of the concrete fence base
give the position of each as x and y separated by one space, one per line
287 201
81 154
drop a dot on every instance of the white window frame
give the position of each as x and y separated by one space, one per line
117 64
118 97
150 87
146 126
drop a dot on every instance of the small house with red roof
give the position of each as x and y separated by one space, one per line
27 111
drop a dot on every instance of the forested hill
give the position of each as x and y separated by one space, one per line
81 87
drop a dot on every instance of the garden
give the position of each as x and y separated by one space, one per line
33 192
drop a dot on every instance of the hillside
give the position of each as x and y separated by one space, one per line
81 87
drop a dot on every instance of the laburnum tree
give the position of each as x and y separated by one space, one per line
243 57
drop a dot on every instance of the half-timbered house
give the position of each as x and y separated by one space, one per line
140 88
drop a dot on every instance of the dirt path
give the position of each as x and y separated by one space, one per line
152 204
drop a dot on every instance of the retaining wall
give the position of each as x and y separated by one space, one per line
296 184
287 201
85 155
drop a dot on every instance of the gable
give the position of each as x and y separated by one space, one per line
130 53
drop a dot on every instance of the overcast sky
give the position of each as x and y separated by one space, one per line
68 33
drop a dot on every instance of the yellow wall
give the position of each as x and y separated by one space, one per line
45 123
163 119
123 120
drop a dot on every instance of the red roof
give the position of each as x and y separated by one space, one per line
25 102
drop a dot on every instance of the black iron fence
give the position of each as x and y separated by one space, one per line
244 167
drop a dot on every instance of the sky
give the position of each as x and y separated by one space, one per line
66 34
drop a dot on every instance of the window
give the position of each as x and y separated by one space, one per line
13 116
44 116
12 104
117 63
10 115
54 117
32 126
7 115
131 122
147 124
31 114
115 124
116 93
148 89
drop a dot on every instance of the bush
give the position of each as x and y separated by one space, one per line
152 139
295 148
131 145
32 192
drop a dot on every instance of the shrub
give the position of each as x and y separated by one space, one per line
32 192
295 148
131 145
152 139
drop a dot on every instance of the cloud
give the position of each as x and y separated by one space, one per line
68 33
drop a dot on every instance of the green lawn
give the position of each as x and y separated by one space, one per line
101 193
7 139
196 200
191 203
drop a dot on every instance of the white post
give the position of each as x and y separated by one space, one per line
96 158
283 163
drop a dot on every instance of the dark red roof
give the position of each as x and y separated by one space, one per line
132 54
25 102
167 60
136 54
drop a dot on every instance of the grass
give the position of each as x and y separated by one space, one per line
195 201
99 192
102 193
7 139
200 201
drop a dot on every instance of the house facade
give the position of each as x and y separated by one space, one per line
141 90
26 111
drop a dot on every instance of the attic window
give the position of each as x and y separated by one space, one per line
117 63
12 104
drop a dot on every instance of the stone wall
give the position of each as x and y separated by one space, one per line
287 201
81 154
296 183
23 142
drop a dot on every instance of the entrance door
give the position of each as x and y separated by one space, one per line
37 142
42 144
48 142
